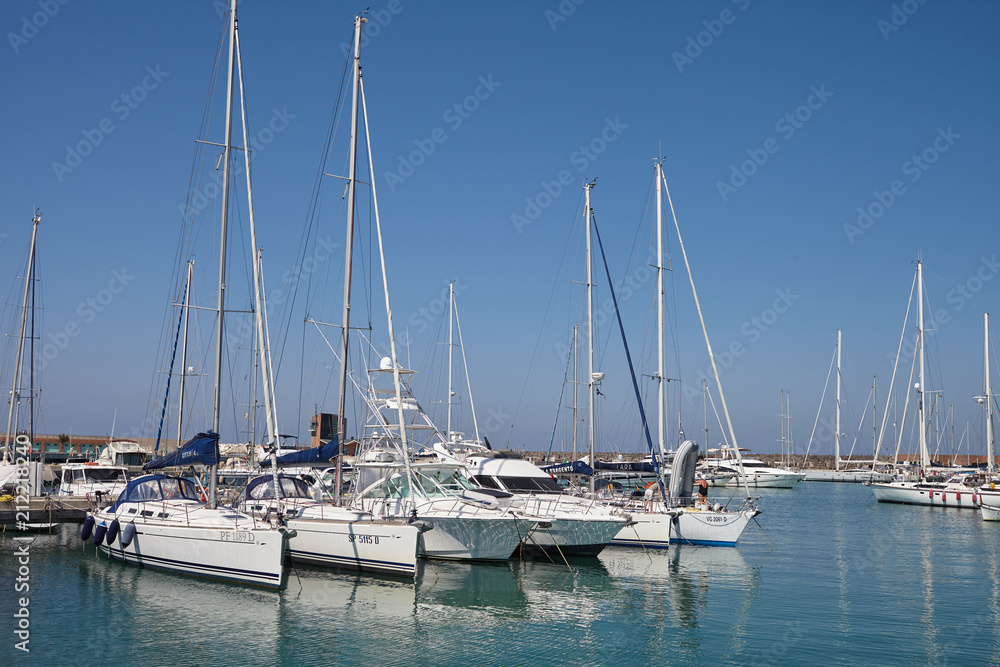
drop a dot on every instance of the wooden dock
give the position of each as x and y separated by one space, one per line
45 509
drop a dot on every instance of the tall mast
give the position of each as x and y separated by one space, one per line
576 384
660 371
221 308
15 393
990 463
590 329
451 322
352 187
874 419
925 459
836 437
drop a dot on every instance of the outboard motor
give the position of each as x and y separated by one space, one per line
682 477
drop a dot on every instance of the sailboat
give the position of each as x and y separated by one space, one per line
989 495
858 475
672 518
467 523
324 533
168 522
952 492
21 477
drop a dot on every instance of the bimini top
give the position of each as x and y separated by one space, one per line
156 488
263 488
202 449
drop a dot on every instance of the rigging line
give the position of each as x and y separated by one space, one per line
542 329
819 410
704 329
555 422
895 366
628 357
311 223
170 371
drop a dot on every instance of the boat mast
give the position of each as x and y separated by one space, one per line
925 459
451 322
341 424
990 463
708 343
660 370
590 327
576 384
15 392
221 307
836 436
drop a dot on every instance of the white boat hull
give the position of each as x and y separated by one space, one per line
851 476
933 495
767 480
386 548
684 526
245 554
575 536
990 512
471 538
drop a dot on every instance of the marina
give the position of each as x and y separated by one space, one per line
240 421
817 595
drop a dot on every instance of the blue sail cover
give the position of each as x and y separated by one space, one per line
305 457
202 449
574 468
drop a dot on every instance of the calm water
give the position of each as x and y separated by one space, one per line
849 581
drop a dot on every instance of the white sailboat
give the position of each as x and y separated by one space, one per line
854 474
953 492
989 495
672 518
168 523
20 477
388 484
323 532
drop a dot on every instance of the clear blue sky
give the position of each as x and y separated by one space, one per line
831 102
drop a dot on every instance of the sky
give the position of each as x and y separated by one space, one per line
813 152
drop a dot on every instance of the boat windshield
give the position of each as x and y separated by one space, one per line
100 475
166 488
426 484
290 488
527 484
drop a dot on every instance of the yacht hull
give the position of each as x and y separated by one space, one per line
385 548
577 536
932 495
239 554
684 526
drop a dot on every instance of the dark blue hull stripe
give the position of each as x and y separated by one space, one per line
197 569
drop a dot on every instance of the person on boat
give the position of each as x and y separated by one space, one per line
702 491
648 496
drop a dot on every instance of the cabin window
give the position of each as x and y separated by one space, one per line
486 481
